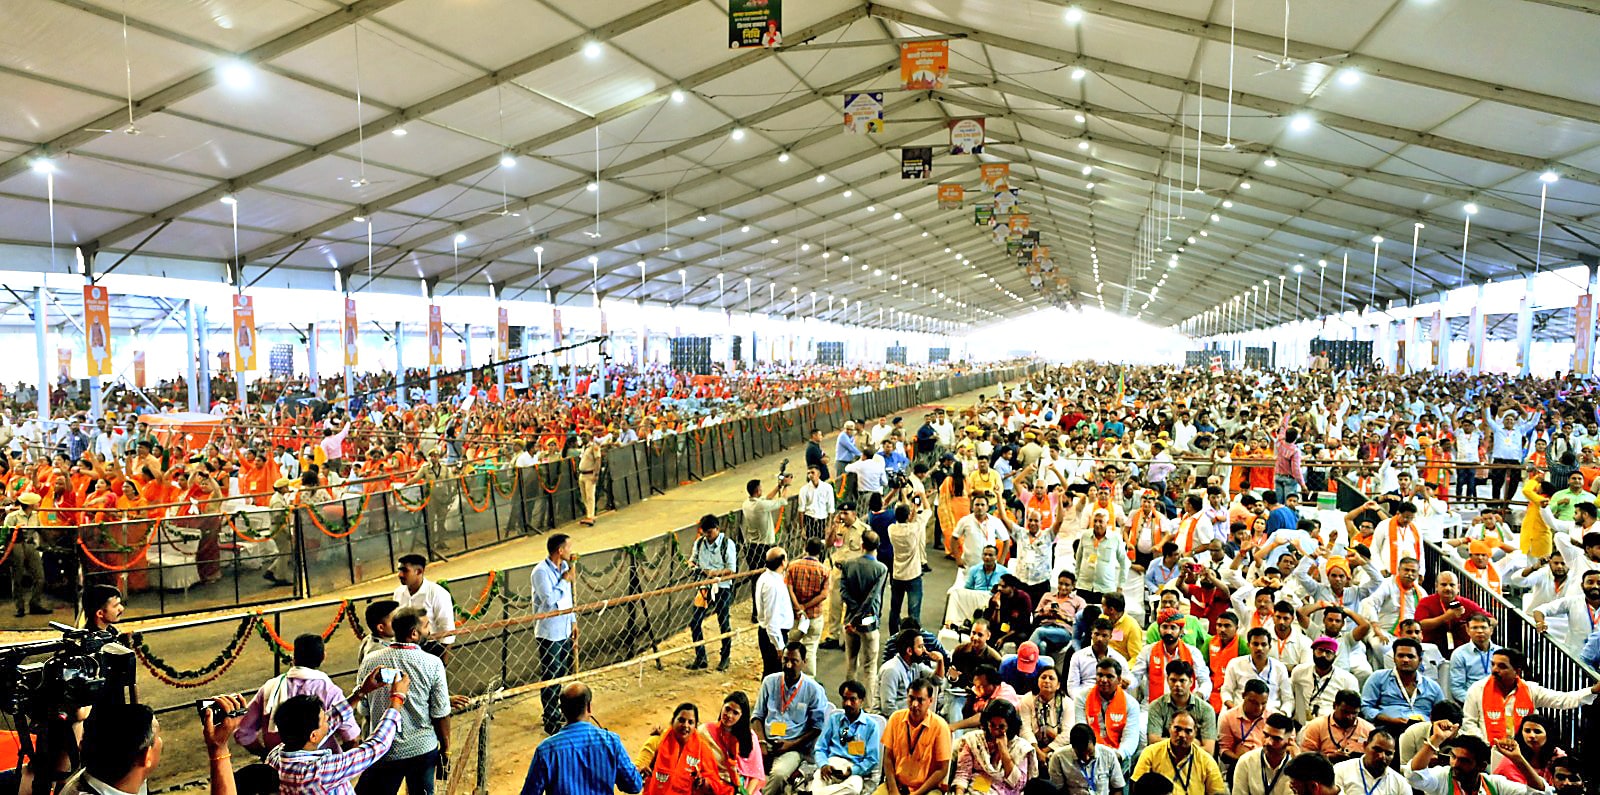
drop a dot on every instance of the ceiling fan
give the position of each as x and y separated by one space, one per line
1284 63
127 69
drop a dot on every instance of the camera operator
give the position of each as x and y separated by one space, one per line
761 520
122 746
304 765
102 607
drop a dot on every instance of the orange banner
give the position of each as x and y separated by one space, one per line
63 364
97 329
351 358
502 335
951 195
244 332
605 330
138 369
995 176
924 64
1583 337
435 336
1018 223
557 325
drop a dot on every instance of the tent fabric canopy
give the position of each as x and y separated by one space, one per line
1393 114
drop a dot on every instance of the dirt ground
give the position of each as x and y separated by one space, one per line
631 702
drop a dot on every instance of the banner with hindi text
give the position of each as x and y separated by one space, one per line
951 195
1583 336
995 175
924 65
916 162
755 23
966 136
97 329
435 336
502 335
863 113
351 355
244 333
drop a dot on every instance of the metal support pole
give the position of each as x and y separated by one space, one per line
466 346
1525 328
202 329
41 336
190 324
399 364
311 359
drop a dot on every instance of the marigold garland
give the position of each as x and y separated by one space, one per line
485 596
195 677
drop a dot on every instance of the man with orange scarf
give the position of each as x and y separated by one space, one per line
1495 706
1112 714
1153 659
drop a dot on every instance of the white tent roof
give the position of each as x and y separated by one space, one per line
1436 105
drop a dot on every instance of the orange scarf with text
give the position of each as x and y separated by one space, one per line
1503 713
1158 666
1107 720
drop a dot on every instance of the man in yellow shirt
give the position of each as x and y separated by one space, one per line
984 481
1191 770
1127 637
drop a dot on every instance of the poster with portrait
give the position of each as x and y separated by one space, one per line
982 214
1583 337
863 113
1005 201
348 333
755 23
502 335
435 336
1018 223
924 65
916 162
966 136
995 175
244 332
97 329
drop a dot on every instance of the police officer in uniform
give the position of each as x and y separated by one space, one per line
26 563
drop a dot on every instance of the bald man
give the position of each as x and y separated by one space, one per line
581 757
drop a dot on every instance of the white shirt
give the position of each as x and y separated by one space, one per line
1080 669
1242 669
1353 779
1581 622
436 600
1436 781
1543 698
774 612
975 536
870 473
816 501
1313 694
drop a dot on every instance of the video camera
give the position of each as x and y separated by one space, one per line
783 471
84 667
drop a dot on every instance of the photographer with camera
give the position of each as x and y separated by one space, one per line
123 744
304 765
761 522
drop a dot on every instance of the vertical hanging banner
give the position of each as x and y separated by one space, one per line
924 65
1017 223
556 325
97 329
244 333
995 176
1436 336
1400 364
1474 340
1005 201
138 369
916 162
755 23
63 364
605 328
966 136
951 196
982 214
351 359
1522 350
1583 336
435 336
863 113
502 335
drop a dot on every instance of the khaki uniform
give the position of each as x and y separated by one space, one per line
279 509
440 478
588 477
834 615
26 564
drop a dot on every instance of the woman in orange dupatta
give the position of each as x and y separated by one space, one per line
130 530
953 505
735 757
669 763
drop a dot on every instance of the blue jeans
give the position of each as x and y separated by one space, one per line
555 660
721 602
1285 485
909 591
384 777
1052 639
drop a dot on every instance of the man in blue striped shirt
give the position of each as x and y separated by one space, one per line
305 767
581 758
424 734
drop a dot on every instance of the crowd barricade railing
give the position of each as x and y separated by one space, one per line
633 603
216 561
1549 663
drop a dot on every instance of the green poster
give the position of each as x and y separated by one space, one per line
755 23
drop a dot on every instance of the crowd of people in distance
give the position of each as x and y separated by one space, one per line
1152 593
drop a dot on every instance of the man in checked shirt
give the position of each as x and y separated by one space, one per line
305 767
